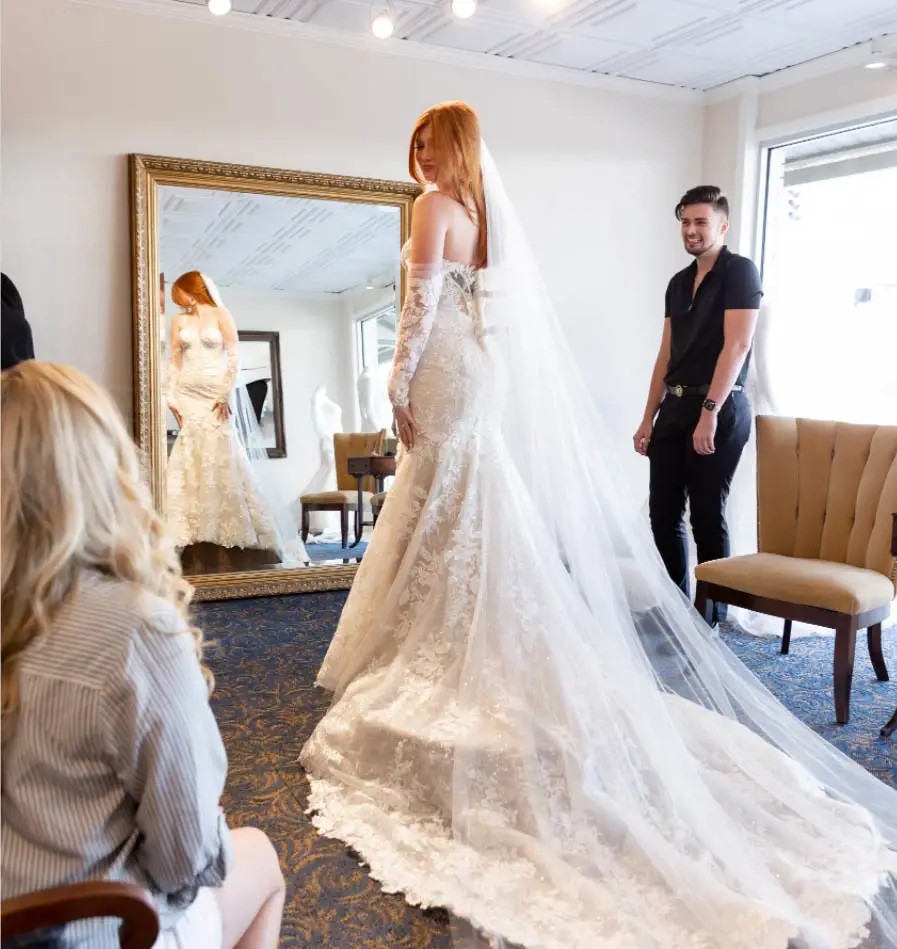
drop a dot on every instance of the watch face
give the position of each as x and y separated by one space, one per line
710 405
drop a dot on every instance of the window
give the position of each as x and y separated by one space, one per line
377 338
828 344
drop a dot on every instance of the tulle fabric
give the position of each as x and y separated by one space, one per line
531 726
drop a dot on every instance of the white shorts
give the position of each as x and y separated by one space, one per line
198 928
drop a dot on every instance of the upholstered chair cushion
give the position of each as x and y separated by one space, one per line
810 582
349 498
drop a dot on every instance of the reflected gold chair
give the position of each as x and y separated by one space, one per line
827 537
345 498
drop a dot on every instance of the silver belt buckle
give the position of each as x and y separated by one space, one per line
678 391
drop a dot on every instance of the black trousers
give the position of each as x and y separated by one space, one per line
678 474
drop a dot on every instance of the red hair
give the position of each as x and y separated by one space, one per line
456 140
194 286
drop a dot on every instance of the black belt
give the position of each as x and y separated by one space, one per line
680 391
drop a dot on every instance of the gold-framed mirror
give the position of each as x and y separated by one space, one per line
255 391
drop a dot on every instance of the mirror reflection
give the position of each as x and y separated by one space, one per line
278 329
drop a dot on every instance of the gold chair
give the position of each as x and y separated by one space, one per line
345 498
48 909
826 493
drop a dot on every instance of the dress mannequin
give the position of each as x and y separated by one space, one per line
327 419
373 400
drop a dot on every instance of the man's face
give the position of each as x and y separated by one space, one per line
702 228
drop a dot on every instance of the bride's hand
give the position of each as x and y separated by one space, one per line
222 411
406 425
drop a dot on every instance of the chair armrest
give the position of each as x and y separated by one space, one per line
67 904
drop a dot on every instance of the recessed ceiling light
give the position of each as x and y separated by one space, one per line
382 26
882 55
464 9
220 7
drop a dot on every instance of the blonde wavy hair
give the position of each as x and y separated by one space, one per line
73 501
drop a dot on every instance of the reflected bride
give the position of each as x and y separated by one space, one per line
213 495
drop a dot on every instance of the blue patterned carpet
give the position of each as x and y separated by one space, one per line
320 553
265 653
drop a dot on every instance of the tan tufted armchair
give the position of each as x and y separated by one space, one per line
827 537
345 499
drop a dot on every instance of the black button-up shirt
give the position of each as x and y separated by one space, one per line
696 319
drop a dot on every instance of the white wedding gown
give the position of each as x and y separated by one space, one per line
536 783
212 495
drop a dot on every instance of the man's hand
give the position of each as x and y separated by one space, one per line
705 433
642 438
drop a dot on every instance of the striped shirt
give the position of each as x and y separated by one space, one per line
114 767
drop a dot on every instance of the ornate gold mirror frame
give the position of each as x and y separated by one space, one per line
147 174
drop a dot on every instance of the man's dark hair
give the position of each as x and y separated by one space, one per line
15 333
704 194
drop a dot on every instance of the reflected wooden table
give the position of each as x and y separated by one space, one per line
378 467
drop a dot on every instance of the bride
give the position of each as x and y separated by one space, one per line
213 495
531 726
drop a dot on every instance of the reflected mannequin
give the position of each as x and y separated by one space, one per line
327 419
373 399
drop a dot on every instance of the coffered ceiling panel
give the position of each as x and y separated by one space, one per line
694 44
284 245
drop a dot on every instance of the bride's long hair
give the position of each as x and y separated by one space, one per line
73 502
193 283
455 127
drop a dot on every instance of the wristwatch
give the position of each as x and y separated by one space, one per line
711 406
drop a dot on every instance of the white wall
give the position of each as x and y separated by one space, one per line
731 160
848 91
593 172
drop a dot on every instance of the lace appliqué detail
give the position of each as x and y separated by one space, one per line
446 678
212 495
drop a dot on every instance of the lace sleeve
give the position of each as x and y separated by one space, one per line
174 367
418 313
230 338
230 373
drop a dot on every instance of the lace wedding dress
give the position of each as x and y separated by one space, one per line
212 493
531 730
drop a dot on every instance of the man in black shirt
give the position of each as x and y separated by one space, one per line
703 418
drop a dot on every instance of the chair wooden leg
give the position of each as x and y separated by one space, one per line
344 526
890 728
701 598
306 523
845 648
873 637
786 638
358 526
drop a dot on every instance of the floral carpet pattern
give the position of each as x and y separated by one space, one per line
265 653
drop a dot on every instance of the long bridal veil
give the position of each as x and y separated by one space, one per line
641 745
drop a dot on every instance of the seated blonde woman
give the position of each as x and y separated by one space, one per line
112 762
